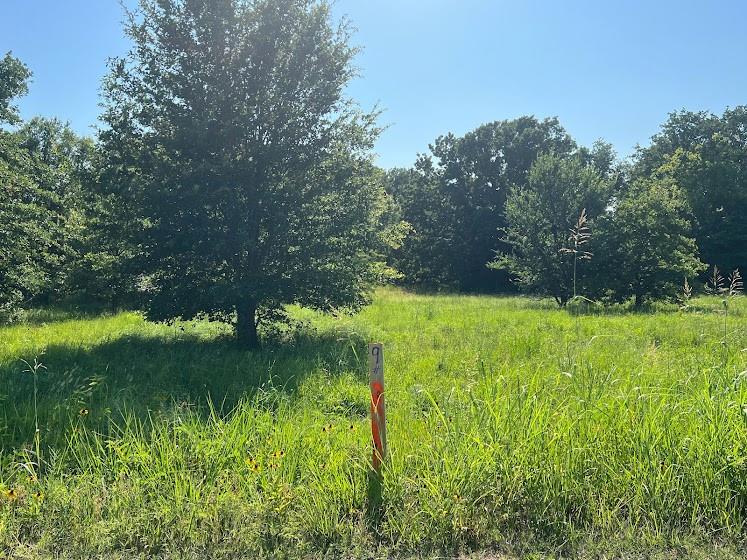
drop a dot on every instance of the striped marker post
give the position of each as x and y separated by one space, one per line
378 409
378 429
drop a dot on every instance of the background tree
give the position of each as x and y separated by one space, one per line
33 218
28 230
645 243
248 169
706 156
393 230
540 216
61 166
455 199
423 254
104 271
14 77
476 172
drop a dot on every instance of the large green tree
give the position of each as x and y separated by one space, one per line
644 244
248 168
423 257
28 230
61 166
706 156
540 217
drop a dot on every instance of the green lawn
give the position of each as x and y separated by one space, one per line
514 428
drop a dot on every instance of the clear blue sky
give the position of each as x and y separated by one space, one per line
609 69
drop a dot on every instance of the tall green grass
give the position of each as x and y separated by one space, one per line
512 425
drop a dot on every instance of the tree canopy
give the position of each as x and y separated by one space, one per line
706 156
14 76
39 186
645 245
541 214
455 198
249 169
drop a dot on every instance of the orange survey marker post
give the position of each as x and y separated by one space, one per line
378 409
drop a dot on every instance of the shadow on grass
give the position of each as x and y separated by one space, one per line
144 374
597 308
591 307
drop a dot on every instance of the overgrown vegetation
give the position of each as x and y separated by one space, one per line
511 427
232 191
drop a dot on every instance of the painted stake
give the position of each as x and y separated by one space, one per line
378 410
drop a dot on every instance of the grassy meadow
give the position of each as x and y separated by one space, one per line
514 428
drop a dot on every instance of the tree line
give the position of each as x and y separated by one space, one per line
499 208
232 175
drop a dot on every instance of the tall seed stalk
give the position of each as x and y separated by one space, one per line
715 283
729 289
580 236
686 295
734 289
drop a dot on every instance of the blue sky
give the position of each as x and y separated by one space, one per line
607 69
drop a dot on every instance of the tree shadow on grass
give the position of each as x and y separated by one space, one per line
142 374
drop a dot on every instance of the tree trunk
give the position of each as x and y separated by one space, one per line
246 326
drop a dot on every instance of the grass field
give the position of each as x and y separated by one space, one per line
514 428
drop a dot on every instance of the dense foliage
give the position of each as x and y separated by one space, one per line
540 216
706 156
14 76
27 229
45 173
233 176
644 245
248 168
455 199
527 182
